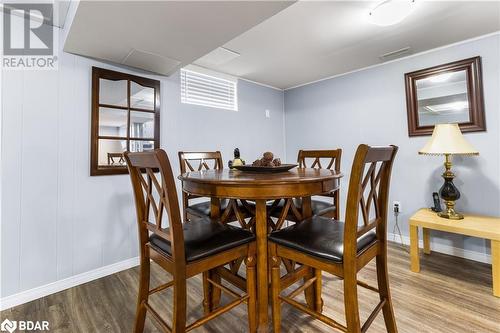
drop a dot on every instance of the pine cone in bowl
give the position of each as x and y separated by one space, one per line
257 163
267 163
267 160
268 156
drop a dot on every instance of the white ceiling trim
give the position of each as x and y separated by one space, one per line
398 59
197 68
261 84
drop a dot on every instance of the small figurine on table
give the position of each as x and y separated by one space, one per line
237 160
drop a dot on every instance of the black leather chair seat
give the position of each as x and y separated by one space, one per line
318 207
203 238
202 209
320 237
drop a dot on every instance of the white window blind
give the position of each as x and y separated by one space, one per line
207 90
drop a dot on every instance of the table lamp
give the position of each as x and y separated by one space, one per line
447 140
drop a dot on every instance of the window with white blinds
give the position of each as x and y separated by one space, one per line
207 90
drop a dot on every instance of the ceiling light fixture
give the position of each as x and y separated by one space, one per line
390 12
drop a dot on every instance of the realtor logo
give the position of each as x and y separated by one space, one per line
8 325
28 36
28 29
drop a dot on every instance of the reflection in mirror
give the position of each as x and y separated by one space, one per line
141 97
113 92
142 124
138 146
111 153
442 98
112 122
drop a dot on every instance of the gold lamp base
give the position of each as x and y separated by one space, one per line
449 212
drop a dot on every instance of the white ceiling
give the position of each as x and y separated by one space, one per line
311 40
161 36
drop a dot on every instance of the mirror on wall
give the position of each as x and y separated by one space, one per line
450 93
125 117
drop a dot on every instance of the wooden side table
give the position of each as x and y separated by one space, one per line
472 225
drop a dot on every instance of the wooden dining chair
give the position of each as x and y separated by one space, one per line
339 248
206 161
290 209
112 161
235 210
183 250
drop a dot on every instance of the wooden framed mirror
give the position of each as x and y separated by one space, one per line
449 93
125 117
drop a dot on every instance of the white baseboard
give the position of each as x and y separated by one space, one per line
54 287
453 251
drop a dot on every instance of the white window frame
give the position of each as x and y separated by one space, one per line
211 78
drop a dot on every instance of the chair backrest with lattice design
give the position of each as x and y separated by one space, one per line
198 161
204 161
155 194
322 159
331 159
368 195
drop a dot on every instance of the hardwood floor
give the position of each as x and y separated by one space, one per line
449 295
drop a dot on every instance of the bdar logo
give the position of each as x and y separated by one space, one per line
24 325
8 325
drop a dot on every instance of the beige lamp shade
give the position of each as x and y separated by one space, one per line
448 139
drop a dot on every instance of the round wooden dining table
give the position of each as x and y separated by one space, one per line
260 188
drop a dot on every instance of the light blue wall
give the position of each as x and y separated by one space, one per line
369 106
